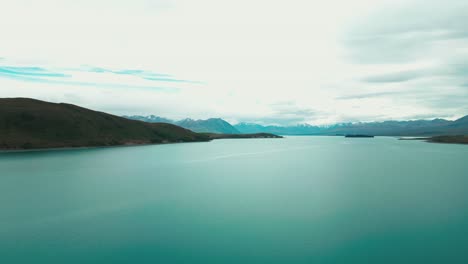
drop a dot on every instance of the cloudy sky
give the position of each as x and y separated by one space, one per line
266 61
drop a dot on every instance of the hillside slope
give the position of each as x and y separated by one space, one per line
28 123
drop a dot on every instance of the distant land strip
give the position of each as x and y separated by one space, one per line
33 124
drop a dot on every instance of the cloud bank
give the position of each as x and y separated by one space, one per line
280 63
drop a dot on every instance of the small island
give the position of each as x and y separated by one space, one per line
236 136
413 138
358 136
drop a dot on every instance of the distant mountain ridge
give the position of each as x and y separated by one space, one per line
211 125
435 127
151 119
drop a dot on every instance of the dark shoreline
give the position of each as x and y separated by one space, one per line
462 139
414 138
29 124
458 139
18 150
212 137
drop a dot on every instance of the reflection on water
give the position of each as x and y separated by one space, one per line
292 200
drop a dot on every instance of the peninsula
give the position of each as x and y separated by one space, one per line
33 124
461 139
358 136
456 139
235 136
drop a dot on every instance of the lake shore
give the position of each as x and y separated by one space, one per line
211 136
460 139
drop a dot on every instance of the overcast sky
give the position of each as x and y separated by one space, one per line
265 61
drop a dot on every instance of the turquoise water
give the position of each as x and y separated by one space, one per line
292 200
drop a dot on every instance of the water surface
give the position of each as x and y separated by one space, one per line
292 200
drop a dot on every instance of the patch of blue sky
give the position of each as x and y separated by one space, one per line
30 71
43 75
120 86
20 77
168 80
44 79
150 76
97 70
20 72
141 73
134 72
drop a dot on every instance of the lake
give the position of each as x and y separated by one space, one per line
293 200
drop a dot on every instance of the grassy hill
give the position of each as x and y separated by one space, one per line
28 123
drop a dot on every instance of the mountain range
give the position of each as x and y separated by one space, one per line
28 123
433 127
211 125
33 124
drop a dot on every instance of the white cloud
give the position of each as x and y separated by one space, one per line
247 55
